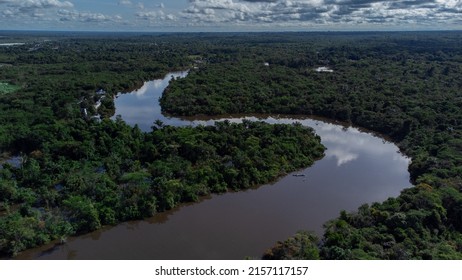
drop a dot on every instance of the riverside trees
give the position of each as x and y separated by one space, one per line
403 85
77 174
110 172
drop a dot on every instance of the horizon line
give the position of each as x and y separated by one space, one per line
248 31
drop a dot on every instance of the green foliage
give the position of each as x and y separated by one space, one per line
403 85
6 88
413 226
19 232
78 174
98 180
302 246
82 213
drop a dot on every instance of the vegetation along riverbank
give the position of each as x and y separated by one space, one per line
404 85
78 173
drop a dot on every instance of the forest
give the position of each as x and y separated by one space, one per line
403 85
74 174
78 174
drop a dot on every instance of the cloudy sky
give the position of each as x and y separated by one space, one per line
230 15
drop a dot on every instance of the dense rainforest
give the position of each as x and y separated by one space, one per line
78 173
65 172
404 85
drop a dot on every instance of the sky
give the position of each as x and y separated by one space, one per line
230 15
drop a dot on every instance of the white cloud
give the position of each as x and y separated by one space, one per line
32 8
41 4
252 14
155 16
66 15
269 11
93 17
342 156
312 12
51 12
8 13
125 2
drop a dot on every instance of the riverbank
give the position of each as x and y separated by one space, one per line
234 225
357 168
413 100
404 85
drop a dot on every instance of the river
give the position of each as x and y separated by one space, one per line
359 167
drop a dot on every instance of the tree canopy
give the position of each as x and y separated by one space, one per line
77 173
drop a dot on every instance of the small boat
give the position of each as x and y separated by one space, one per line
298 175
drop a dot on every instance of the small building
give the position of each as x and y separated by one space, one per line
324 69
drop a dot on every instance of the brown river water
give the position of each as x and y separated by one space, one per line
359 167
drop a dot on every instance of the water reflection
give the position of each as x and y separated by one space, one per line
14 161
142 93
342 156
345 144
142 106
358 168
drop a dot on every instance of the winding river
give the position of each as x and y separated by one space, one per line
359 167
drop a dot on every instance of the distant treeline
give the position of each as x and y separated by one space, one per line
77 174
404 85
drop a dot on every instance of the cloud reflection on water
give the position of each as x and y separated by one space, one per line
358 168
344 144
